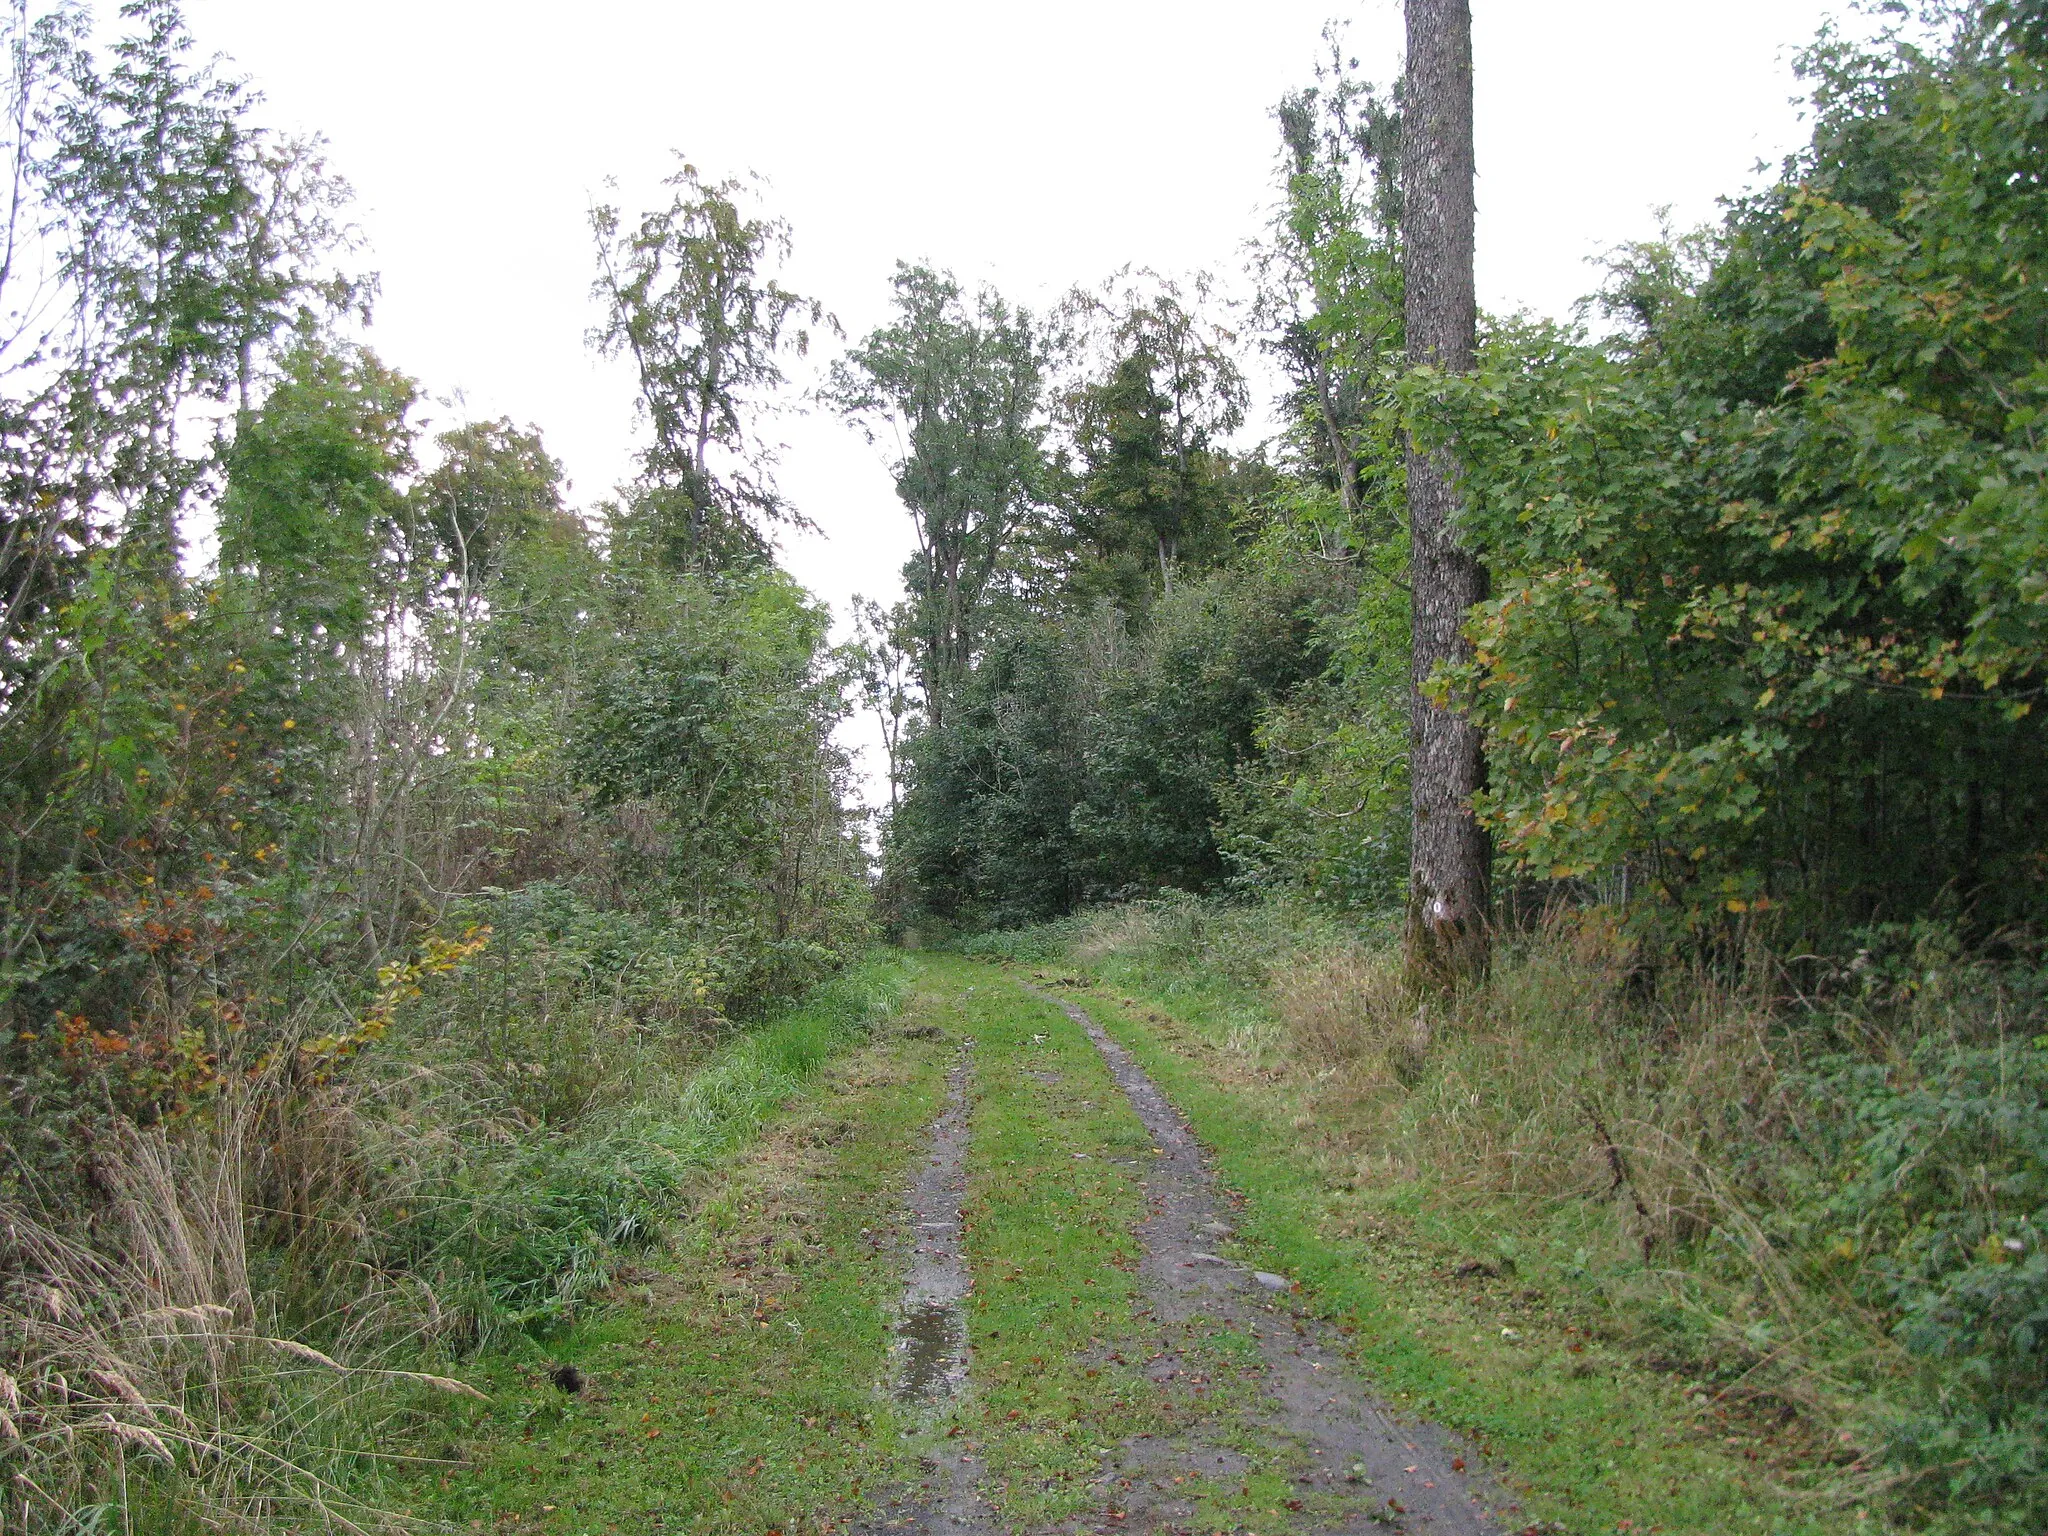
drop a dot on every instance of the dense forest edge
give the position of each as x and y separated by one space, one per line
417 888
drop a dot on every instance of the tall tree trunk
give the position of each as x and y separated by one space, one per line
1449 868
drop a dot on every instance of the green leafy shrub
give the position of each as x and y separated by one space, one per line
1039 944
1931 1168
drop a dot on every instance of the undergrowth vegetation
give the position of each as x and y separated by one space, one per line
406 879
1826 1201
515 1217
277 1292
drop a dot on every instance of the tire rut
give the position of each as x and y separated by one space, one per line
1377 1471
930 1353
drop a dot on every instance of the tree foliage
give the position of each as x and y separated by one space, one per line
1768 627
955 383
1173 677
235 799
690 296
1151 488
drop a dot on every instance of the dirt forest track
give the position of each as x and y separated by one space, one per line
1355 1466
985 1278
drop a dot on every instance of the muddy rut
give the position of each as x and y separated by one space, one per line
929 1353
1360 1468
1379 1472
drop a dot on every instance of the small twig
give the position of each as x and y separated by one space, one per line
1619 1168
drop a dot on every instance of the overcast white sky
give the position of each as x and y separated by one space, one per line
1031 145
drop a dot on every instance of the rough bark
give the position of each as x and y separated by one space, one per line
1449 896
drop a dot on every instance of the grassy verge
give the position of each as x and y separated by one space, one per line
265 1350
728 1377
516 1217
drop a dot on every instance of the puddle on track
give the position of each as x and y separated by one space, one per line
932 1352
930 1348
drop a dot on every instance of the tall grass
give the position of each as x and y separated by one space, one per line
147 1384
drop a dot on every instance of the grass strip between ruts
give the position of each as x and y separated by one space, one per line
1062 1418
1052 1198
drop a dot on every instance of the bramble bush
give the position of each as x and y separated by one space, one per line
1929 1199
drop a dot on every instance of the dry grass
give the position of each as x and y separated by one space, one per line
1549 1083
141 1384
1116 930
1347 1008
1561 1117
